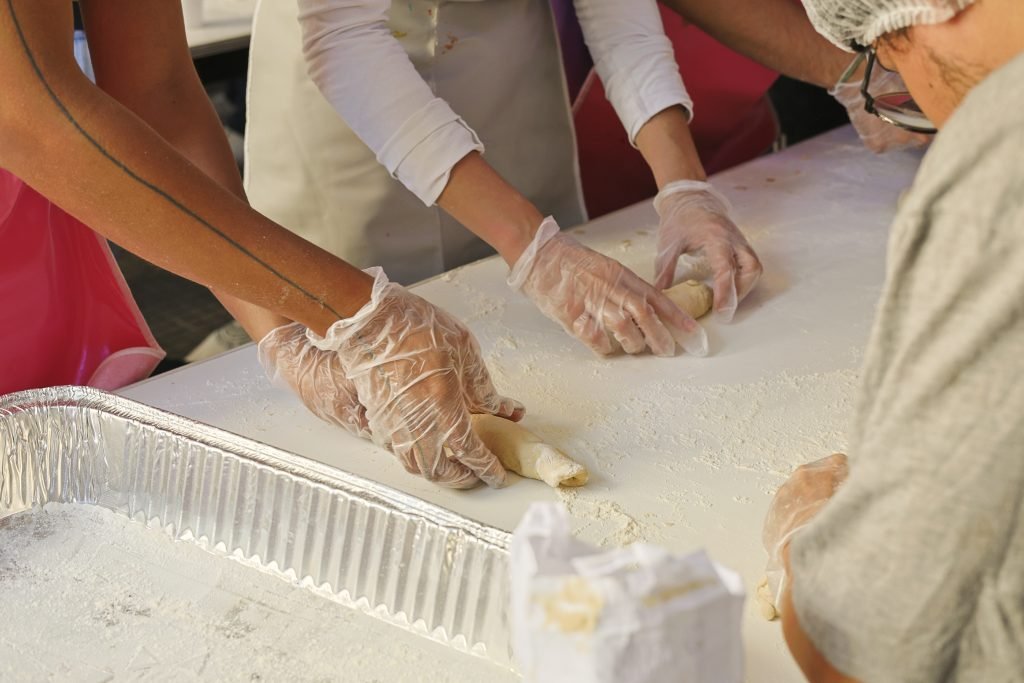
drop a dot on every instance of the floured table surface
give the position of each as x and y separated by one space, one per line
89 595
682 451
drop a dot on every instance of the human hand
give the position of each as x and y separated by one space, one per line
420 375
600 301
695 223
797 502
876 134
316 376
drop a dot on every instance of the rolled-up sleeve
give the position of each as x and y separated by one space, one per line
369 80
634 59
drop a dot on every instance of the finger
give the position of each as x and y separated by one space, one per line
496 404
482 397
655 333
749 274
686 331
836 462
355 422
725 298
588 331
665 267
626 333
435 466
509 408
471 452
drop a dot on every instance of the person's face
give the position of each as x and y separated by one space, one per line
933 62
905 54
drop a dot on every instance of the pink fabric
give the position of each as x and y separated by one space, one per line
66 313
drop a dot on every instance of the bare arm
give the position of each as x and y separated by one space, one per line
775 33
106 166
480 199
668 148
160 86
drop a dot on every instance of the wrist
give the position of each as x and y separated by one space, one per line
496 212
343 306
516 232
668 148
519 270
709 198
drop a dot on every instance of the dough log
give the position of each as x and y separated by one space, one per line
691 296
522 451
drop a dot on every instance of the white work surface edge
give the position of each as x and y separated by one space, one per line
685 452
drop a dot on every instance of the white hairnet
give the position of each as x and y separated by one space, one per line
861 22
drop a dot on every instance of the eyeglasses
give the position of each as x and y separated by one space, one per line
897 108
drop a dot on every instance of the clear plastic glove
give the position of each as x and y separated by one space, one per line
316 376
420 375
695 224
795 504
600 301
876 134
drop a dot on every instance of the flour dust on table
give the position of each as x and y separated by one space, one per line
90 595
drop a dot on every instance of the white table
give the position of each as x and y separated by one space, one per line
684 451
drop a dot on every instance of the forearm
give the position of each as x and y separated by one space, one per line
106 167
493 210
136 191
668 148
775 33
167 94
182 114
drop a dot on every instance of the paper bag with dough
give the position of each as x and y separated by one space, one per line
522 451
691 296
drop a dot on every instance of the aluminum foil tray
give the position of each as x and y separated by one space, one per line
405 560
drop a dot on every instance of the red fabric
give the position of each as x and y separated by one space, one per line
733 123
66 315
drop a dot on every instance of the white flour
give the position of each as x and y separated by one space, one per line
90 596
658 434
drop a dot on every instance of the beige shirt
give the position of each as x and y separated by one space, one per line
915 571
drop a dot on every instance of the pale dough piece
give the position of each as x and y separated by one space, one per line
766 601
522 451
691 296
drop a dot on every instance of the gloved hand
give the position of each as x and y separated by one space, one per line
597 299
419 373
876 134
288 357
795 504
695 223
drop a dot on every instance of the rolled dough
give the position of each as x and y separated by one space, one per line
691 296
522 451
766 601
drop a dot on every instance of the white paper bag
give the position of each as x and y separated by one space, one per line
632 615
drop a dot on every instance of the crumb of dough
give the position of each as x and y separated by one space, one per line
766 601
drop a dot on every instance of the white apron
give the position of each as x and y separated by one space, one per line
496 62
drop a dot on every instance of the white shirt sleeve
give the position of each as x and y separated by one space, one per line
634 59
369 80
